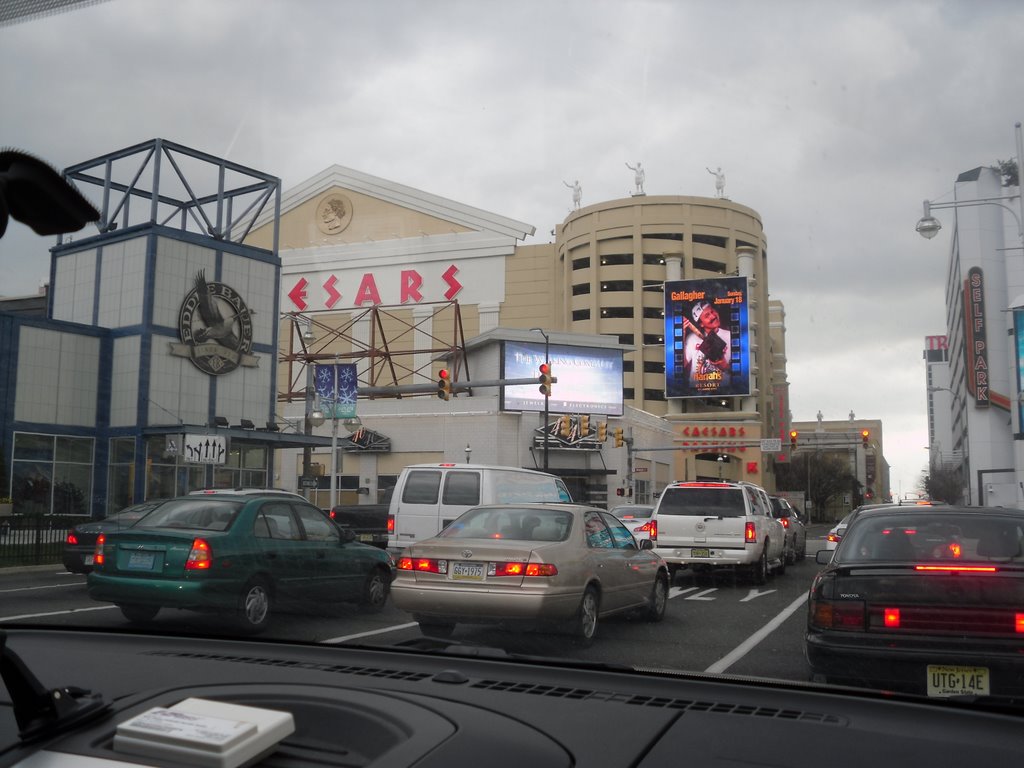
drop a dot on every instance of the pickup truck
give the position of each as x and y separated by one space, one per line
369 522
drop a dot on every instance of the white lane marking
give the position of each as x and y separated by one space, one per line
753 594
392 628
748 645
700 595
677 591
47 586
55 613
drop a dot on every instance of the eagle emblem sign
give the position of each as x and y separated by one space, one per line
215 328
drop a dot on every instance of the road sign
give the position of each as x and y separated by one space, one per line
639 469
771 445
206 449
307 482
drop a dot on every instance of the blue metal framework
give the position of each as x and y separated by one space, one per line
178 187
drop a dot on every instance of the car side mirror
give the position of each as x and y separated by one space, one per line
823 557
646 544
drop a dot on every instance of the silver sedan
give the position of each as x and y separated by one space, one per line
566 564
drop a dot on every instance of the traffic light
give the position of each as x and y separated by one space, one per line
545 379
584 426
865 435
444 385
620 492
793 434
602 431
565 426
619 442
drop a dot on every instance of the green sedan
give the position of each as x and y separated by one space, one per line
241 555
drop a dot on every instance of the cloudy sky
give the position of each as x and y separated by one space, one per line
832 120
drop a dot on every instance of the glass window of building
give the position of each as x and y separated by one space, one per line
616 312
52 474
581 263
580 314
581 289
613 259
121 474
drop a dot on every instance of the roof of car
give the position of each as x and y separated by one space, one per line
247 492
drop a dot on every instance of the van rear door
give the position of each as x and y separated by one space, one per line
430 498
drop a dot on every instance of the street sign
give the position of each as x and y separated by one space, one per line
771 445
307 482
206 449
639 469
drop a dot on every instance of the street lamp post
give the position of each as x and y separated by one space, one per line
547 362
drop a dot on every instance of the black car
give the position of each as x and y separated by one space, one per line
796 531
924 600
80 543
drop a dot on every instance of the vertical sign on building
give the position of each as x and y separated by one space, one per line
976 337
707 337
1018 354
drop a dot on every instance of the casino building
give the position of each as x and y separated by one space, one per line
182 339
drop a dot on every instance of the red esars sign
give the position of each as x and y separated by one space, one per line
409 289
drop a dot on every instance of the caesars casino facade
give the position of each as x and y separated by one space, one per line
183 344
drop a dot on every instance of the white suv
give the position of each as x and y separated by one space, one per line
706 525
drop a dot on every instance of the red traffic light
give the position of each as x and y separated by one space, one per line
545 368
545 379
443 373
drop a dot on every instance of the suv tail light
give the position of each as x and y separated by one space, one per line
750 532
651 529
391 523
784 521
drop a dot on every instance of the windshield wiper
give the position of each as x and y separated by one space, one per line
41 712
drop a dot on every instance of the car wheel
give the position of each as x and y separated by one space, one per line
783 562
254 606
139 614
436 628
791 554
672 571
658 599
585 624
375 591
803 550
759 571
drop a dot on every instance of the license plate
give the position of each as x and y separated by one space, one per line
700 552
141 561
468 571
88 559
366 537
946 680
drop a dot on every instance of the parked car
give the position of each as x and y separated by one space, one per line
796 532
712 525
240 554
639 519
561 564
922 599
80 543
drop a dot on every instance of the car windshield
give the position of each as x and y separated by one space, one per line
592 279
202 514
972 537
520 524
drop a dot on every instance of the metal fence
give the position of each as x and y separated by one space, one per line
33 540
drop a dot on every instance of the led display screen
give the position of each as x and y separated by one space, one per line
589 378
707 337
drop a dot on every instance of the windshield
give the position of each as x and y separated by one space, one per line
450 269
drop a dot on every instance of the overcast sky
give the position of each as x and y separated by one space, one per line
832 120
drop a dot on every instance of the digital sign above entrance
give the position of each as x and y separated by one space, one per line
588 379
707 337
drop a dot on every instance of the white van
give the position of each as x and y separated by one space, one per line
427 497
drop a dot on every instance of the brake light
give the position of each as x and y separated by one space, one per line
848 614
750 533
72 539
422 564
784 521
391 523
521 569
651 529
891 617
1018 622
833 537
957 568
97 556
199 558
332 514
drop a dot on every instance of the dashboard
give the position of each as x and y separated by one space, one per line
465 706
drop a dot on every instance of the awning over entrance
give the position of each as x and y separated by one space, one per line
269 438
